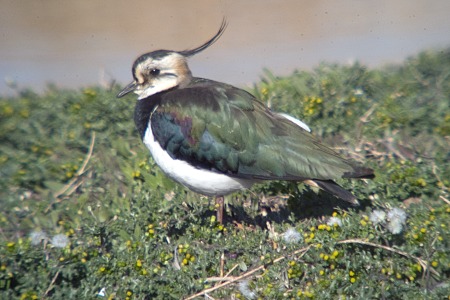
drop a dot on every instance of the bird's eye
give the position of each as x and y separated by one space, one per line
154 72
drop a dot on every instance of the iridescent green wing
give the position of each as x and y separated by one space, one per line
219 127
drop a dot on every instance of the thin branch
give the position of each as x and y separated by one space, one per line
81 170
444 199
247 274
50 287
219 279
368 113
222 263
74 183
444 188
209 297
231 270
230 280
227 277
422 262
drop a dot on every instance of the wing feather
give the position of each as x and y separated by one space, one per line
216 126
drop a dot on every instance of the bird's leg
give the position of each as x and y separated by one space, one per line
219 209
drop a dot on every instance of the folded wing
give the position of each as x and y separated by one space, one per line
219 127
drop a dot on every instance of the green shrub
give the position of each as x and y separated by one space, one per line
86 212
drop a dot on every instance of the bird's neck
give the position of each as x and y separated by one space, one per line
142 111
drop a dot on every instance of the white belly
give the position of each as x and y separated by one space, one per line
204 182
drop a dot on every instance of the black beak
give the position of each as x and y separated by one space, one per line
128 89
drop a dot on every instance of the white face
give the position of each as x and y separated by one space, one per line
157 75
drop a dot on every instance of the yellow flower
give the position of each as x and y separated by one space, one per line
139 263
8 111
418 267
89 92
308 294
264 91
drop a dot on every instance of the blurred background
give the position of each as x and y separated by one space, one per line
80 43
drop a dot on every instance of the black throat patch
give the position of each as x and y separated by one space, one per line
143 110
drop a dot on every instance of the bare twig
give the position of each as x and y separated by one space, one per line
245 275
362 120
230 280
75 182
231 270
220 279
227 277
422 262
81 170
368 113
444 188
444 199
222 263
50 287
435 172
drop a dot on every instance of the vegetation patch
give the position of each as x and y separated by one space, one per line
86 212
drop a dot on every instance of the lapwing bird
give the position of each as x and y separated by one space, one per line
216 139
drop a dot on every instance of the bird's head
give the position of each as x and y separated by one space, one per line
162 70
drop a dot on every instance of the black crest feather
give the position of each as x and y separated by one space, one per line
219 33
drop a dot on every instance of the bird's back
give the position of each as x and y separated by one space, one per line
222 128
